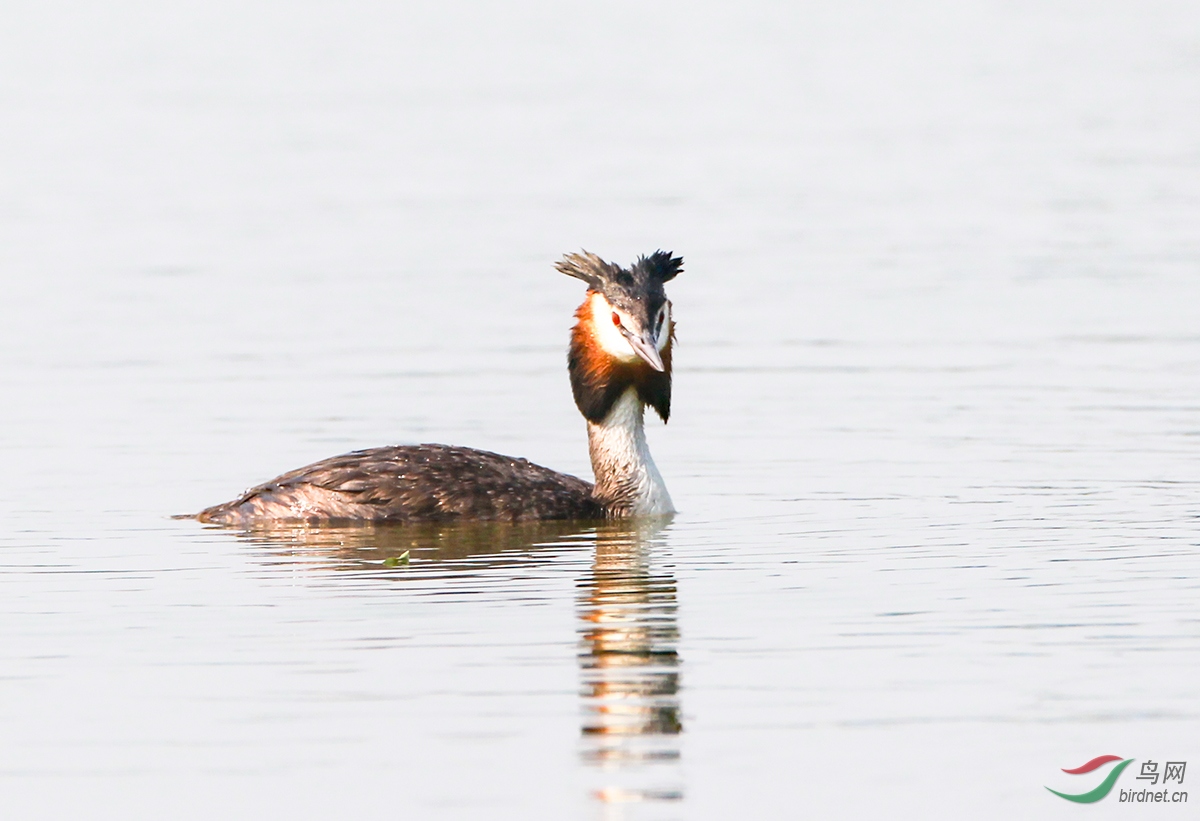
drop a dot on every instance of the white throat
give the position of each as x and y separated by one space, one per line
627 481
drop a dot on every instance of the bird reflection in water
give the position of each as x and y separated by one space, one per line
414 551
627 624
629 661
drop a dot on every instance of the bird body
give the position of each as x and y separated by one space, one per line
619 362
413 483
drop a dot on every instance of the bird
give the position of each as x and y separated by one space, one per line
619 362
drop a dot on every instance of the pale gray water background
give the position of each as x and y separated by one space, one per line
936 442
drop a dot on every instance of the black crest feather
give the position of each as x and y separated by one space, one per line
588 267
660 265
646 275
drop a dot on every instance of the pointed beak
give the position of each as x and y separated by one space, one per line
644 347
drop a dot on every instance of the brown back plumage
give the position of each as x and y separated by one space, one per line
413 483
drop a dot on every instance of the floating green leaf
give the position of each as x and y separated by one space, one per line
397 561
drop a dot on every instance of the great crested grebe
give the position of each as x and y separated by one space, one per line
619 361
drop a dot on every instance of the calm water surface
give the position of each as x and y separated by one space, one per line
935 442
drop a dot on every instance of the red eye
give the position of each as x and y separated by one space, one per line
616 319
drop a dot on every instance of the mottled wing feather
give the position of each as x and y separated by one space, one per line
413 483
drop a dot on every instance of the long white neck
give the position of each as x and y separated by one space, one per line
627 481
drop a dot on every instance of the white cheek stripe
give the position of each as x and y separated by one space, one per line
611 340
